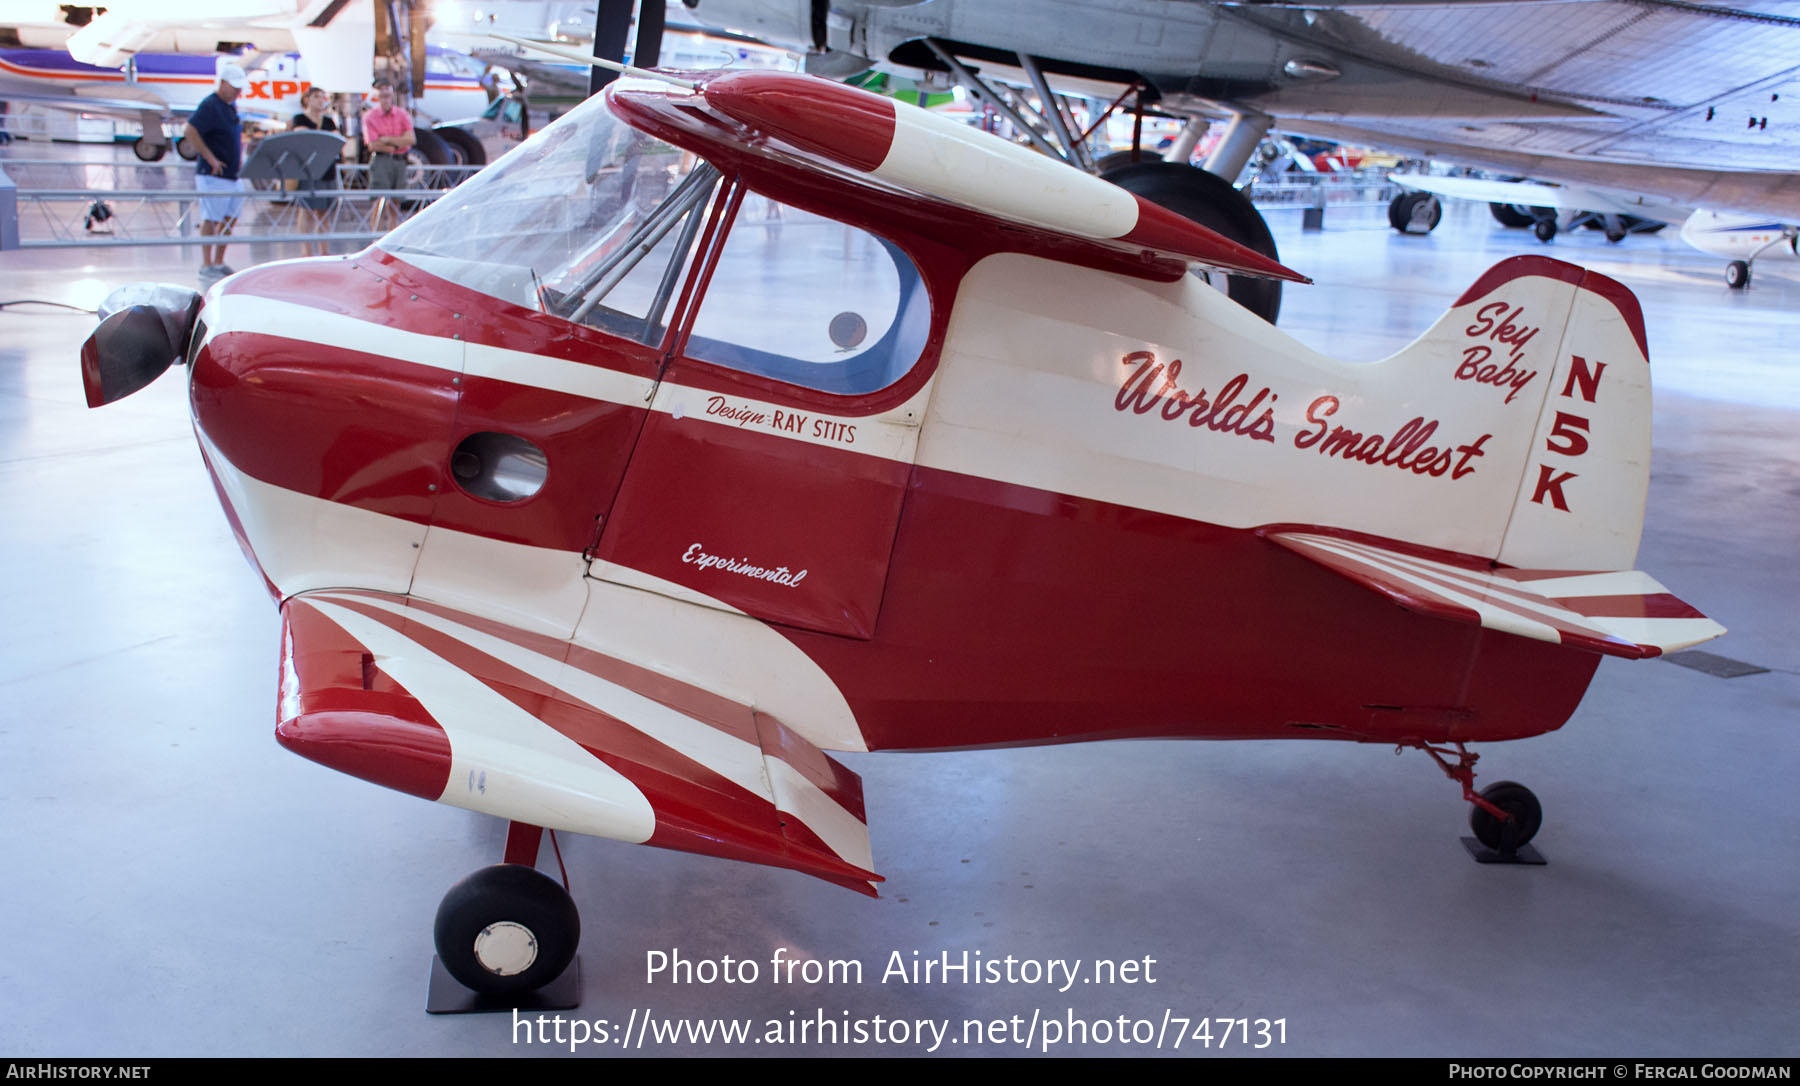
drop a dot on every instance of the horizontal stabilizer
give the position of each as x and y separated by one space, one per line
1619 613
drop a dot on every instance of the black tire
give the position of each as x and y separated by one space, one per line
1737 275
1415 212
1505 836
506 929
187 151
147 151
465 150
1214 203
1544 229
1118 160
428 151
1512 216
428 148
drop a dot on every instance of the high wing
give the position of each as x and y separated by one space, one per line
466 711
1693 103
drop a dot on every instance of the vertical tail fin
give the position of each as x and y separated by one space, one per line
1580 500
1549 360
1540 370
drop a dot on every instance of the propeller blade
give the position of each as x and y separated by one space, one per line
133 346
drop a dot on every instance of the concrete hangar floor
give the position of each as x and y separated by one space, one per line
176 884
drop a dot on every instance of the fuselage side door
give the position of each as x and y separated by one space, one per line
771 470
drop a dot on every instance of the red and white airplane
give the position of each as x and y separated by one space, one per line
732 421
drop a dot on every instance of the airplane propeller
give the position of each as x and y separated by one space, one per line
144 329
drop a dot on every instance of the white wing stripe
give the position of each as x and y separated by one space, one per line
1624 582
503 760
736 760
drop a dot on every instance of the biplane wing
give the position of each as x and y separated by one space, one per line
470 712
827 129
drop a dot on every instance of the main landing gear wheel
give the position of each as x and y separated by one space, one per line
506 929
1507 835
1415 212
465 150
1512 216
148 150
1737 275
1214 203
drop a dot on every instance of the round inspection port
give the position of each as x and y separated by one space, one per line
499 467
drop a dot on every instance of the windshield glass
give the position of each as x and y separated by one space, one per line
589 219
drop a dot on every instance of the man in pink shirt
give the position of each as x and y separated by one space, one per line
388 136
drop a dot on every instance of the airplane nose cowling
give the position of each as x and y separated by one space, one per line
144 329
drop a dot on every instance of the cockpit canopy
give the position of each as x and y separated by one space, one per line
595 222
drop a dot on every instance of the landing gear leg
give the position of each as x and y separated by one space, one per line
1505 815
506 937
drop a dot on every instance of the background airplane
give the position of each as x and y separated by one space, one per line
160 89
1553 208
1695 104
1741 238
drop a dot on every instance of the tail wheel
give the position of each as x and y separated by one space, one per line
506 929
1214 203
1506 835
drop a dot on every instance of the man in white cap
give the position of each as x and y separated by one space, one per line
214 129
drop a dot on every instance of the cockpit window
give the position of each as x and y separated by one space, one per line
590 220
596 222
811 301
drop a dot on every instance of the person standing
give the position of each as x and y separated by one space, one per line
312 116
215 131
388 135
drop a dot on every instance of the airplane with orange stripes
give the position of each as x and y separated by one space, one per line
737 419
157 90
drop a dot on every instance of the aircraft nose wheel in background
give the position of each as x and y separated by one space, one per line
506 930
1216 204
1544 229
1415 212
